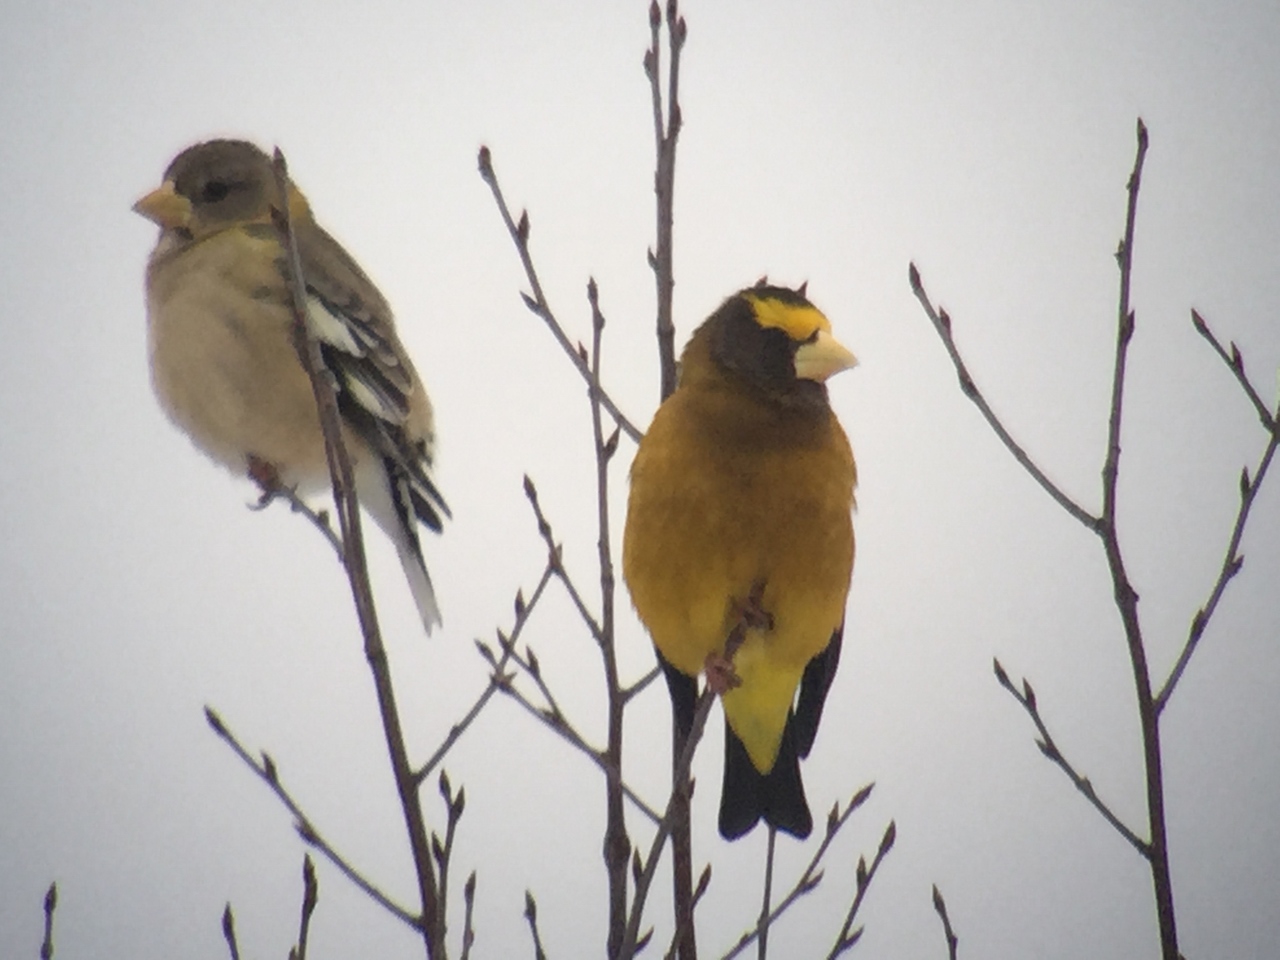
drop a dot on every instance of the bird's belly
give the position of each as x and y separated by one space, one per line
225 370
706 552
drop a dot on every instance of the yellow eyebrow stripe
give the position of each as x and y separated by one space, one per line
797 321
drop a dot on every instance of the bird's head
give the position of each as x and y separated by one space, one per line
214 185
772 338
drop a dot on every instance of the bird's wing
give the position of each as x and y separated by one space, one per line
814 685
373 376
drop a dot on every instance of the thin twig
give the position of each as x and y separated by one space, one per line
679 932
229 932
666 135
680 786
811 876
555 550
940 907
846 939
1027 698
617 845
319 518
537 303
1126 598
468 929
640 685
763 925
559 725
348 510
50 905
310 895
443 853
270 775
1232 560
1235 362
942 324
531 915
496 680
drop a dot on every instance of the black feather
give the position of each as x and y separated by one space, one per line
747 795
813 692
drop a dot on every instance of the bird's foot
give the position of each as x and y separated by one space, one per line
750 613
267 477
721 676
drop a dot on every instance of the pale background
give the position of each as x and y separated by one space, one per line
833 142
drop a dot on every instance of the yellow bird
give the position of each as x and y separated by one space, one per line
223 363
740 514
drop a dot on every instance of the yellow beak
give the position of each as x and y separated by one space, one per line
822 358
164 207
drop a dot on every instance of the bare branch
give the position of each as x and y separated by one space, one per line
348 509
531 915
845 939
555 551
940 907
229 932
762 924
558 724
537 303
1235 363
1232 559
495 681
641 684
319 518
50 905
681 786
812 875
1027 698
468 929
310 896
268 773
942 324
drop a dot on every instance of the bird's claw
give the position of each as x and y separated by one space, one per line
721 677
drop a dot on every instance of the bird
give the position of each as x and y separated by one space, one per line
224 367
740 520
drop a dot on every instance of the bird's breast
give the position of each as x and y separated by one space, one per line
223 363
717 505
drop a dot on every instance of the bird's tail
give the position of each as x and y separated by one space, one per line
747 795
390 504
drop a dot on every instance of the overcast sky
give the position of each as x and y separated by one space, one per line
835 142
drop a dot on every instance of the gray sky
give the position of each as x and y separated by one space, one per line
990 142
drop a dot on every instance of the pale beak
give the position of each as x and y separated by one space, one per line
165 207
822 358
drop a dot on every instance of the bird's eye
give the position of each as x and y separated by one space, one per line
214 190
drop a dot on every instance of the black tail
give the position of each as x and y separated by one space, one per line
777 796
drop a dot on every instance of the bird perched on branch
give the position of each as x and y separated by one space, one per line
740 522
223 361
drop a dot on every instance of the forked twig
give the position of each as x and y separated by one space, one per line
1232 560
811 875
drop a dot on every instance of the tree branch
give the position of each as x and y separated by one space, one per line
1027 698
1232 560
269 774
537 303
942 324
811 876
348 509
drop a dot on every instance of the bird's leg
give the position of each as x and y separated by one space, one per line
750 615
